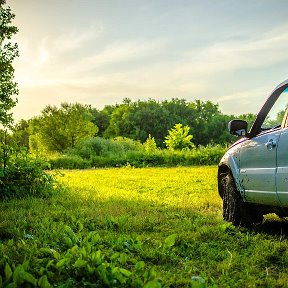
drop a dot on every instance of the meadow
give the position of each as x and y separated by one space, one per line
137 227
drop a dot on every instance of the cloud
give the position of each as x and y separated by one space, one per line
76 39
268 49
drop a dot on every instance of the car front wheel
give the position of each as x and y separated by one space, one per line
234 210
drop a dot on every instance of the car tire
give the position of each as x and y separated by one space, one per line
234 209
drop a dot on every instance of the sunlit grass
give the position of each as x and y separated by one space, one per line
175 187
126 227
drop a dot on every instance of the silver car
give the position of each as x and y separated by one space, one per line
253 173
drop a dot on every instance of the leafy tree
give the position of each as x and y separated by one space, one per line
178 138
136 120
20 135
101 118
58 129
8 52
119 124
204 115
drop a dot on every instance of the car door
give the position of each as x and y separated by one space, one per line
282 168
258 168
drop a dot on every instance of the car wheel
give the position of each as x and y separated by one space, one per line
234 210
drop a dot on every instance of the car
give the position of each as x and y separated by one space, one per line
253 173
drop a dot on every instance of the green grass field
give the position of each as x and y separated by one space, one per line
126 227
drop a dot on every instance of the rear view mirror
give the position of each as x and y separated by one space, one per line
238 127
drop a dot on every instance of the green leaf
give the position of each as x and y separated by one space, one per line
62 262
80 263
139 265
103 274
125 272
170 240
43 282
83 251
153 284
29 278
74 249
8 272
68 241
25 265
18 275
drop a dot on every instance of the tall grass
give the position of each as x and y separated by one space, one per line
99 152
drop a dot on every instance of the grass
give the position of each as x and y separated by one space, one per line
130 227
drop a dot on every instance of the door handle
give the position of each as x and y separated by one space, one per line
271 144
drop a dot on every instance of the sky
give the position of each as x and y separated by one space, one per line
99 52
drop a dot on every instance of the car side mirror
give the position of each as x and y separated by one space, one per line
238 127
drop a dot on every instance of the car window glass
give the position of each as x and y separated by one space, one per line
276 114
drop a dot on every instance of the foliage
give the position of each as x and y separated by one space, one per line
150 144
178 138
152 227
101 118
136 120
133 120
8 52
20 135
100 152
58 129
22 176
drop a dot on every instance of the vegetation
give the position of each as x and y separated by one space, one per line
21 176
178 138
8 52
56 130
100 152
152 227
122 227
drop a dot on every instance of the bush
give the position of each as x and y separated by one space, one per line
22 176
69 162
100 152
97 146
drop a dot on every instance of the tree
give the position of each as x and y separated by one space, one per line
178 138
102 118
20 135
8 52
58 129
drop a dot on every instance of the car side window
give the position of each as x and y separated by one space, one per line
276 116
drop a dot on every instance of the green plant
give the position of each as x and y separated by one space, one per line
22 175
150 144
178 138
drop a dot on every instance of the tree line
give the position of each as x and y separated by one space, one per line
57 129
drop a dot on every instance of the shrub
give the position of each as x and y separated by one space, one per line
97 146
22 175
178 138
150 144
69 162
100 152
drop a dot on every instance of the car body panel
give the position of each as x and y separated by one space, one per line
258 169
282 168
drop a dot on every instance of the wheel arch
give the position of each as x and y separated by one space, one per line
223 170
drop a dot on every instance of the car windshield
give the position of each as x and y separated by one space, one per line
277 112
